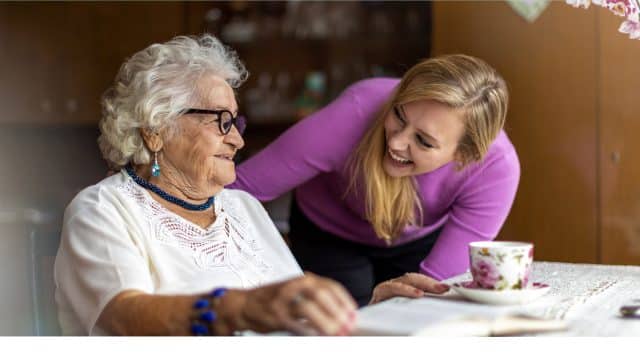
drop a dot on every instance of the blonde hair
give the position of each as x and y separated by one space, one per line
153 87
458 81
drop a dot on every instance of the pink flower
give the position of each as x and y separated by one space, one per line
527 276
579 3
630 9
624 8
485 274
631 28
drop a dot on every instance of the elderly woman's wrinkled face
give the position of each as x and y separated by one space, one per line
198 150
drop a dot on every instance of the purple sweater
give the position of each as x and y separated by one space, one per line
311 156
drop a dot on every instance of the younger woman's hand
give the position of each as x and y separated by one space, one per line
412 285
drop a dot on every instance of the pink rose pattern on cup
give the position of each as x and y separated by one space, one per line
485 274
486 268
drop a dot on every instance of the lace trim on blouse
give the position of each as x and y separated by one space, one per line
230 241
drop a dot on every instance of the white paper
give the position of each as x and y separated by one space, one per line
586 297
404 316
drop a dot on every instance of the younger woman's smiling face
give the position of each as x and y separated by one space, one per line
421 137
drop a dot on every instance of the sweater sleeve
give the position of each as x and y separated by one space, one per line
317 144
477 214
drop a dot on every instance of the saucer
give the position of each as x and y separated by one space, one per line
470 291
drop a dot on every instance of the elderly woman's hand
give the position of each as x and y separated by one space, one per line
412 285
306 305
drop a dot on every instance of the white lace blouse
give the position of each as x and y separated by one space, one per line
116 237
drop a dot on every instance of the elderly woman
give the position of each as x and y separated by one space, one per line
161 248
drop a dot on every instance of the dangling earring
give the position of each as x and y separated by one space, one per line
155 168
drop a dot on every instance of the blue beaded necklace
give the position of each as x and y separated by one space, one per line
166 196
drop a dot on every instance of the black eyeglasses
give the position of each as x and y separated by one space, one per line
224 118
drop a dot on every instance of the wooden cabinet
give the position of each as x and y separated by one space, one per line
285 45
573 82
619 126
58 58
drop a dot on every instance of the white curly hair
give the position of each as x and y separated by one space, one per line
153 86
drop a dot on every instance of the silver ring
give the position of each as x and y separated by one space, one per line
297 299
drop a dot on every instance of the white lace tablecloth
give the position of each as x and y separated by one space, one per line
587 296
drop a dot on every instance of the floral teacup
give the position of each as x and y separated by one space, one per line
501 265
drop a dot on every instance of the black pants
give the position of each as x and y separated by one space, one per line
358 267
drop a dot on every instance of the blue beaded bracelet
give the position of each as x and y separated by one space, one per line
205 316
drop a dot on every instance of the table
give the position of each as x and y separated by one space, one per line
587 297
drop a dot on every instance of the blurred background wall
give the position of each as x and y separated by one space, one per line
574 83
56 60
572 117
